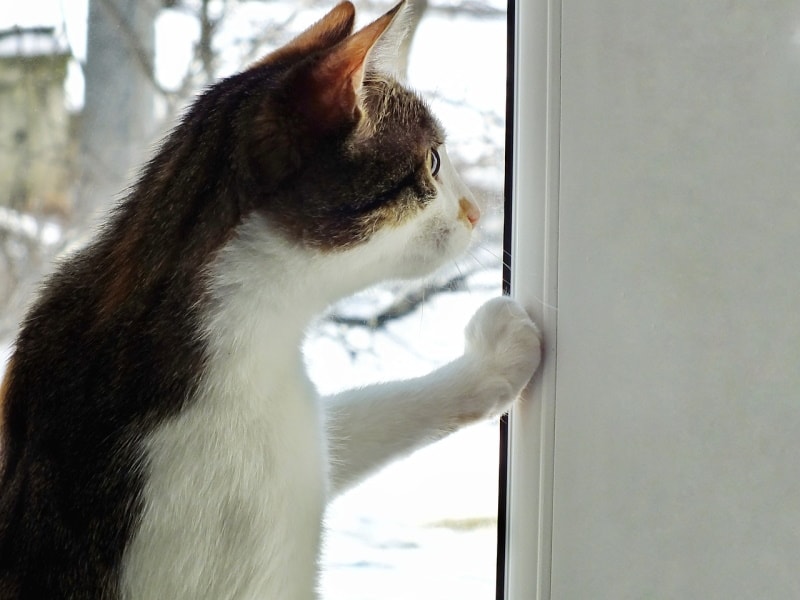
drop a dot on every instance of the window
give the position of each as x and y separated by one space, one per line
425 528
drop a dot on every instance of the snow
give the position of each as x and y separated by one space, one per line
24 225
25 42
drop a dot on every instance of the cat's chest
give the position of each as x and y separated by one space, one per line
257 418
236 484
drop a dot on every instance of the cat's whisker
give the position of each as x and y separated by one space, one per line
488 251
498 263
482 264
538 300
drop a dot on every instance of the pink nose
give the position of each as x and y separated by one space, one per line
468 210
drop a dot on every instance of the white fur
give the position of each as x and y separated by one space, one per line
237 484
386 55
372 426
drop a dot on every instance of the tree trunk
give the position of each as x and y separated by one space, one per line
117 122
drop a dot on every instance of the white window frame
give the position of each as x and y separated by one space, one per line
533 185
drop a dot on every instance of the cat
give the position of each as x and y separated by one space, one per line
160 438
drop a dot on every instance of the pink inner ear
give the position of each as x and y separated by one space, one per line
334 82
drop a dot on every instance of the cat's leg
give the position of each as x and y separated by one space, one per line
370 427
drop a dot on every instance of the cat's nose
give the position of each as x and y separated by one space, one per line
468 211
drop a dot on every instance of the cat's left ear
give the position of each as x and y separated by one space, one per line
331 86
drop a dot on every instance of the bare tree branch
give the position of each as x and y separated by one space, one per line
402 305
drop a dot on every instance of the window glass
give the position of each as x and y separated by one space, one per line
83 105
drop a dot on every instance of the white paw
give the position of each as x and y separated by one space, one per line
504 347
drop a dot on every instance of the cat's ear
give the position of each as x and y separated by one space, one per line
325 33
331 86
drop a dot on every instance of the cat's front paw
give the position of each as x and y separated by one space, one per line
504 346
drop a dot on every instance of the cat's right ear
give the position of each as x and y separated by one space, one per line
329 89
325 33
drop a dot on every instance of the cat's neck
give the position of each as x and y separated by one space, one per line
263 288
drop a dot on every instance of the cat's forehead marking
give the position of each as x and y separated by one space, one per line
391 106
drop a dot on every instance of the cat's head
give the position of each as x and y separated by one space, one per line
315 152
340 157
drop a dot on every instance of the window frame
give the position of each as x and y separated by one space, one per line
527 436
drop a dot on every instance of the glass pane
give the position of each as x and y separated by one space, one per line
72 134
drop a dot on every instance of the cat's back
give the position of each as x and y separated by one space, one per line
76 394
42 528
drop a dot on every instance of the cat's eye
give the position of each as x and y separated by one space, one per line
435 161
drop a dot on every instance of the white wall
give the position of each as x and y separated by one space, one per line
663 442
